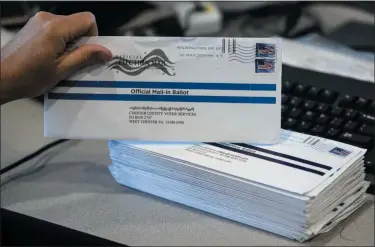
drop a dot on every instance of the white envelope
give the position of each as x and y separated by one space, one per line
173 89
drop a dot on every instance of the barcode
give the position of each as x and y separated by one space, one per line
308 138
229 45
317 144
311 140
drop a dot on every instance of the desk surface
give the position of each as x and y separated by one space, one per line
76 190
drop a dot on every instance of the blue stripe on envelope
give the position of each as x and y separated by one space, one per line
171 85
163 98
308 162
273 160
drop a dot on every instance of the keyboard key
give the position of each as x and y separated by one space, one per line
372 107
309 116
355 139
337 111
309 104
318 130
322 119
284 110
287 87
313 93
336 122
295 112
289 123
365 118
369 167
350 125
327 96
284 99
350 114
304 126
371 189
367 130
322 107
360 104
300 90
295 101
346 101
332 133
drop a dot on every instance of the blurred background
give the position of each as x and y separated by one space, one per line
289 19
349 23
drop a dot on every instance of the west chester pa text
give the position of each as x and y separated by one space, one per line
160 91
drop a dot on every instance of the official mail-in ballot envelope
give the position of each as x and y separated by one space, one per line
172 89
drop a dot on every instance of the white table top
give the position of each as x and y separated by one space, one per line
75 189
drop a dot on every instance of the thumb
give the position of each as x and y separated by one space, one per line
81 57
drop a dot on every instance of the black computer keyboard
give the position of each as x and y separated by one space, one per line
332 107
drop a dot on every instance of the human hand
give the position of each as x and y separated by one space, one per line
34 60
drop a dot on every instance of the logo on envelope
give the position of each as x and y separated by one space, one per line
265 50
134 65
264 66
340 152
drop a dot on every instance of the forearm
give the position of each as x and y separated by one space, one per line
4 91
7 91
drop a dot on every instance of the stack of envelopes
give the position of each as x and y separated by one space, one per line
298 188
